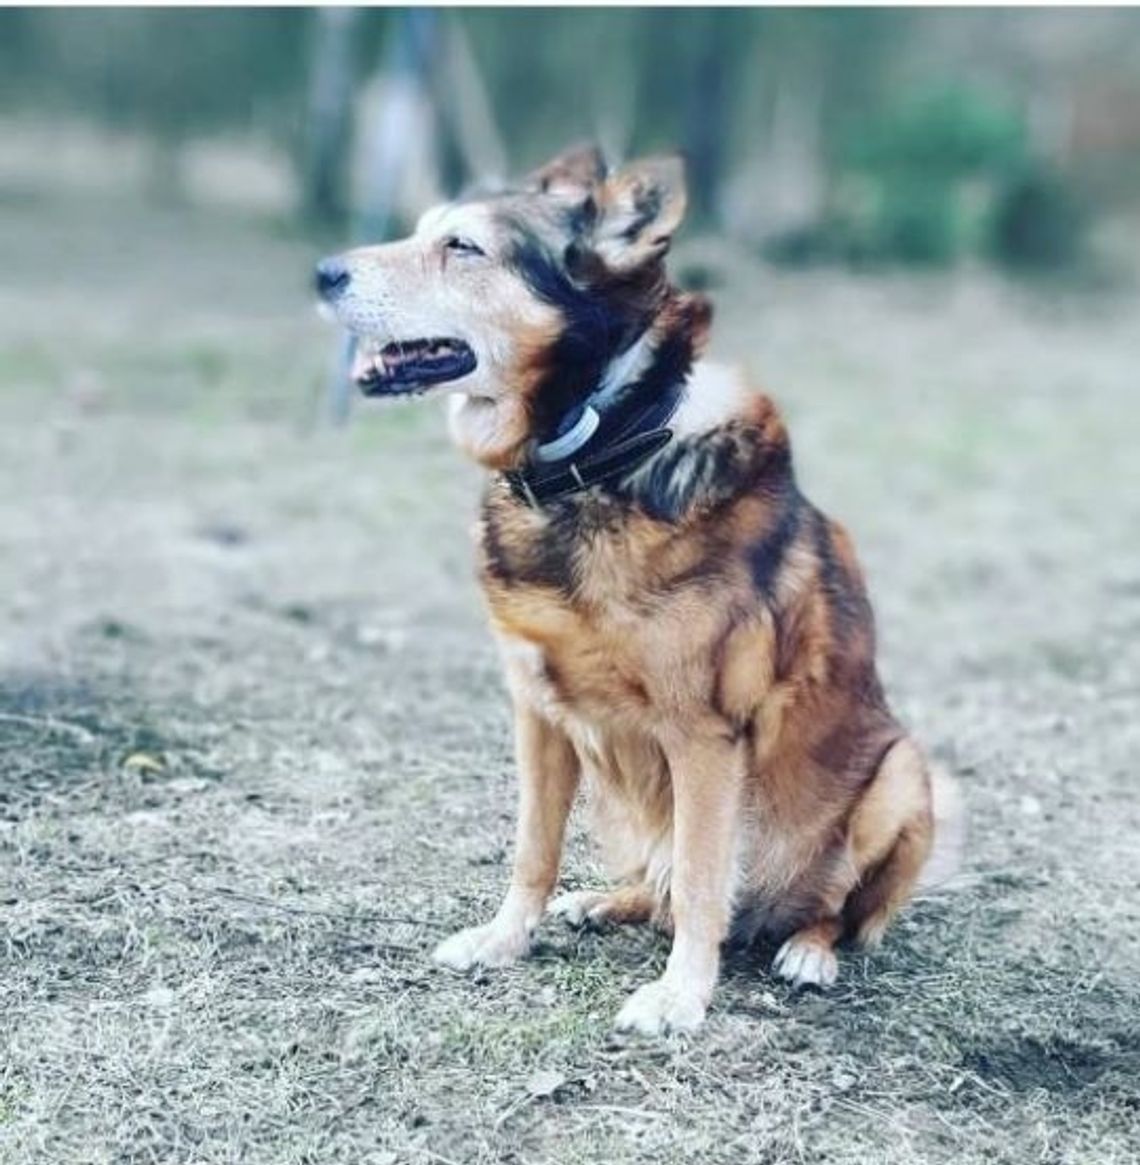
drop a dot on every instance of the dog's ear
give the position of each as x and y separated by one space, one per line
639 210
574 174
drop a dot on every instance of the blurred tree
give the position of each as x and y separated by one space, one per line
17 49
325 192
782 112
685 93
167 73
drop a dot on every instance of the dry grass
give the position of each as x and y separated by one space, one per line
219 953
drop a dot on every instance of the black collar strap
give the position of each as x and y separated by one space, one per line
535 485
618 427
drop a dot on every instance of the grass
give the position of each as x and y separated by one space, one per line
223 957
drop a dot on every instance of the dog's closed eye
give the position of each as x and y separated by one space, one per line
462 246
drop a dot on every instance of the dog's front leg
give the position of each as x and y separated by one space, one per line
548 779
707 774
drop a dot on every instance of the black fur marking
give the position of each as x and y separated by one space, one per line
495 556
766 556
545 560
647 208
595 330
581 218
551 559
845 598
857 746
659 385
712 469
672 481
852 620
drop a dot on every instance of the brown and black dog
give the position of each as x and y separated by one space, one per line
684 633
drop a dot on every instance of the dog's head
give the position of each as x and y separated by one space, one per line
518 301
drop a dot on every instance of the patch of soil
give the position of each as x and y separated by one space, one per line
1059 1065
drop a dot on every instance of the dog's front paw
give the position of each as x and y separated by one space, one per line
659 1008
491 945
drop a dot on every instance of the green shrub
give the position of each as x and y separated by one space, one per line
933 178
918 221
1037 222
942 136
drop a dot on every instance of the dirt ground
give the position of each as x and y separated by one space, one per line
256 758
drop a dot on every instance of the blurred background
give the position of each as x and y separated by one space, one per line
254 746
827 136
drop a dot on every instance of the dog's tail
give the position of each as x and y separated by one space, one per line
949 811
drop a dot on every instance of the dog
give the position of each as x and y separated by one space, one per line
684 635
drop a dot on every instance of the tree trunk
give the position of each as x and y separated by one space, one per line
330 110
707 109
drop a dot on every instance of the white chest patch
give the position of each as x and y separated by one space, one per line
715 395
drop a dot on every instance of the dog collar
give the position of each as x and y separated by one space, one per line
598 457
535 487
573 436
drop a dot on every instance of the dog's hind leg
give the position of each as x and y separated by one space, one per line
624 906
888 843
891 834
887 888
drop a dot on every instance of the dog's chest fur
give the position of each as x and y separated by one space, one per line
609 617
618 608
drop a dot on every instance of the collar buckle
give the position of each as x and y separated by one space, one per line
524 486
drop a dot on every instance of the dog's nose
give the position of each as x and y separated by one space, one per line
332 277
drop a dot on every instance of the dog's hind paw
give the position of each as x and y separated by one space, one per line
578 907
625 906
482 946
659 1008
805 962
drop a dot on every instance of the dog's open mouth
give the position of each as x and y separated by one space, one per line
410 366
